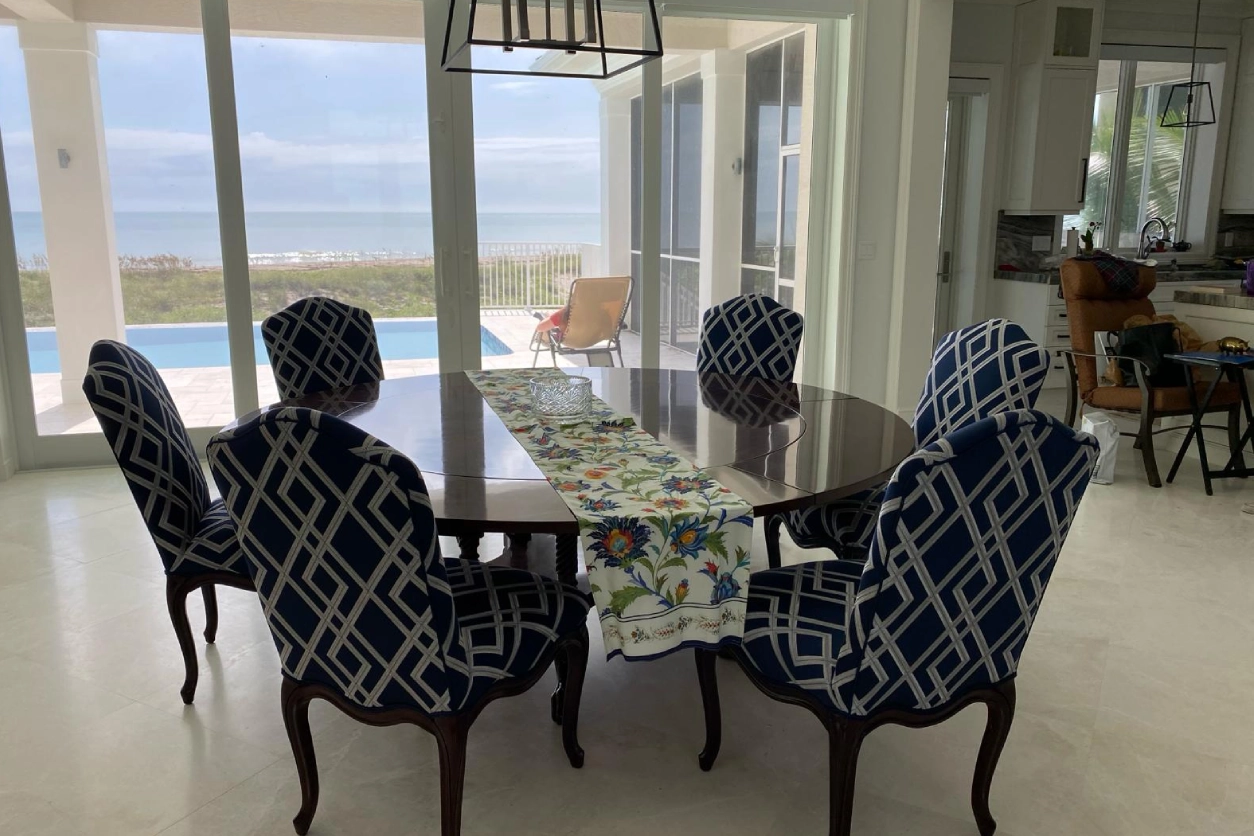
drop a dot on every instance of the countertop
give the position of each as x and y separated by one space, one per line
1164 276
1228 297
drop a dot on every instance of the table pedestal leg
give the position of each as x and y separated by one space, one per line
518 544
567 557
469 545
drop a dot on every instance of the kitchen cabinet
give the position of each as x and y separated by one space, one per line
1053 126
1059 33
1238 196
1042 312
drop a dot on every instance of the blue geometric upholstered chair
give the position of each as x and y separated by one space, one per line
194 536
751 336
976 372
316 344
339 536
936 619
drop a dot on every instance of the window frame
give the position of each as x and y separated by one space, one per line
1128 48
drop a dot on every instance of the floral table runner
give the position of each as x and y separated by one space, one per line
667 547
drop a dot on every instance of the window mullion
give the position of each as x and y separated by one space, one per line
1119 153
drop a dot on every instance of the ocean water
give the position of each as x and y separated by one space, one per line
282 237
205 346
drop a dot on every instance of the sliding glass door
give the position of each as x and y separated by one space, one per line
173 182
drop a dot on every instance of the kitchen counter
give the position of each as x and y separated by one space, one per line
1226 297
1217 312
1165 275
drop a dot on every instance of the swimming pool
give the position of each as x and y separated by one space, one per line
205 346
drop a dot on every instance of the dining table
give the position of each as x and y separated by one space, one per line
779 446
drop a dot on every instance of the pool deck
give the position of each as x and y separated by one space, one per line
205 399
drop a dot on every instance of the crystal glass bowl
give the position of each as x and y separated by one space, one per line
561 397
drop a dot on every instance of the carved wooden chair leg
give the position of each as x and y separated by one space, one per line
296 720
450 738
1146 437
176 590
1001 713
773 525
210 594
707 676
844 741
557 701
576 653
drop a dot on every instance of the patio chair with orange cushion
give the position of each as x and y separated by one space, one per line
590 324
1095 306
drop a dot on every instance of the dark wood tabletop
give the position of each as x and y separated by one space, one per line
779 446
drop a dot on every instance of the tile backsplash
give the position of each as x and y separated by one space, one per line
1242 229
1014 240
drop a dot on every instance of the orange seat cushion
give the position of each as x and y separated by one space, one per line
1174 399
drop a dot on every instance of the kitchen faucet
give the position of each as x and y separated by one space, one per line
1146 241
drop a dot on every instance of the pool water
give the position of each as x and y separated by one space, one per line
205 346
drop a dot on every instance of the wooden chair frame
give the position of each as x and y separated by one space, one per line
845 735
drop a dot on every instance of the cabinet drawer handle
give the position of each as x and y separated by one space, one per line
1084 178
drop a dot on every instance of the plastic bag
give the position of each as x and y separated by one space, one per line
1103 428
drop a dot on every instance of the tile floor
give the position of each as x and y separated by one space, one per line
1135 698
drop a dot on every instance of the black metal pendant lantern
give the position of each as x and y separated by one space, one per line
1191 104
556 38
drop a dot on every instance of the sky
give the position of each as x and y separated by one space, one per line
324 126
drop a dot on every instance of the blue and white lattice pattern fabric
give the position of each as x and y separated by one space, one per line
316 344
976 372
966 540
751 336
340 541
143 427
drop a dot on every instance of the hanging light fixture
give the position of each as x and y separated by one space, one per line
1190 104
559 38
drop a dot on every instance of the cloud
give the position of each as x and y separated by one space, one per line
516 86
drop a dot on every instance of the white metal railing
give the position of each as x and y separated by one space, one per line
520 276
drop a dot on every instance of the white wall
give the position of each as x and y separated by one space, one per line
892 283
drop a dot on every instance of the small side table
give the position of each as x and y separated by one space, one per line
1233 367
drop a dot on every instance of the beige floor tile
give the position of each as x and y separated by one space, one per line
1134 697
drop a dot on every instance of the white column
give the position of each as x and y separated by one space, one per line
74 189
615 185
722 184
920 171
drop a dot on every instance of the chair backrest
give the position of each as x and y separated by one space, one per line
750 335
146 433
965 544
316 344
596 310
1093 306
340 540
976 372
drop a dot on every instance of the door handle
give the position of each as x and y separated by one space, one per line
1084 178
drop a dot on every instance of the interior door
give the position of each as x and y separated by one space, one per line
957 121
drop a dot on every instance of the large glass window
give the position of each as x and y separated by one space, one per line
112 182
549 153
682 116
1145 170
337 197
774 84
735 164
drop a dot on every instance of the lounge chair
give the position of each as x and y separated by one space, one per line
590 324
